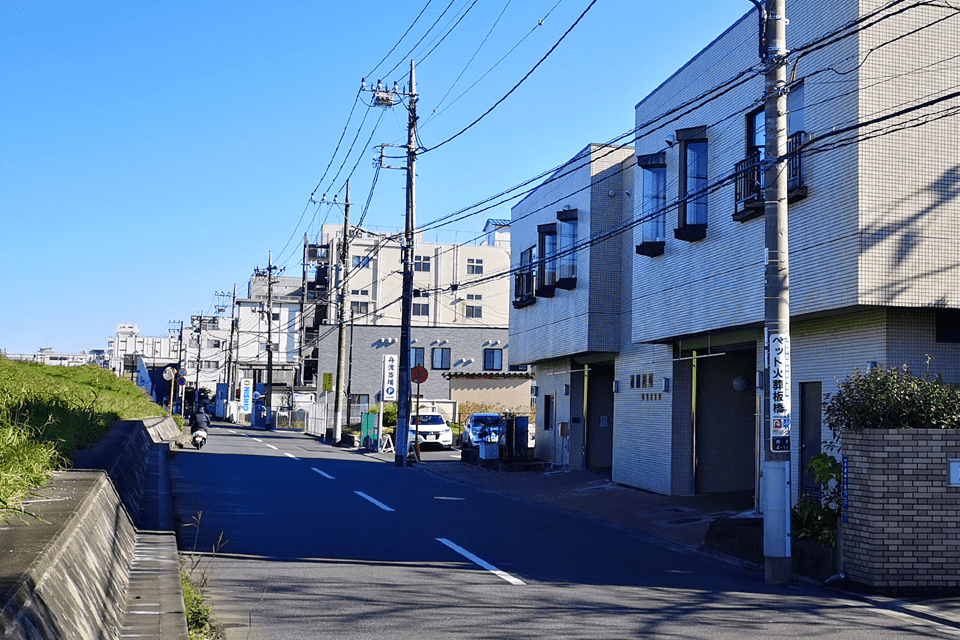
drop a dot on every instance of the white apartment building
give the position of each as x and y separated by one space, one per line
124 348
673 329
460 312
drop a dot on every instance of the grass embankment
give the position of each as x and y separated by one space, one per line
48 413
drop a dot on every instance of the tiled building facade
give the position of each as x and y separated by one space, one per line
874 247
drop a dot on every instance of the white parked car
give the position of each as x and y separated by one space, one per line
484 427
430 428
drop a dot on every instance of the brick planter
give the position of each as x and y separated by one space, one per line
902 517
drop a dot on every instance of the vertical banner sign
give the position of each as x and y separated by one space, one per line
327 382
389 391
779 392
246 395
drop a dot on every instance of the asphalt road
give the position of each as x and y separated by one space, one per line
296 539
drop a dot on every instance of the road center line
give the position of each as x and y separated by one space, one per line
290 455
325 475
273 447
379 504
483 563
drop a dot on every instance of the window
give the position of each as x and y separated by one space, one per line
441 358
361 262
416 357
518 367
421 309
208 364
493 359
524 279
474 266
474 296
213 344
420 293
358 308
653 201
695 211
547 273
474 311
360 292
421 263
569 234
692 219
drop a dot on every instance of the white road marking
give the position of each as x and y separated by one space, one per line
376 502
290 455
258 440
273 447
483 563
325 475
231 431
446 498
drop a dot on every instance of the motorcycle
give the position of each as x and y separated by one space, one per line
199 438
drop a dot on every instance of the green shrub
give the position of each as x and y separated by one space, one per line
892 399
813 518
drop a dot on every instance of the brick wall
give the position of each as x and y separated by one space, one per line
900 536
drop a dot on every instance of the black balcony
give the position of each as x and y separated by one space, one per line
749 186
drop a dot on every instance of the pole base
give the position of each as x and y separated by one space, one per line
778 570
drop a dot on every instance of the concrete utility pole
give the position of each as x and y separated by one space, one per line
406 304
341 330
385 98
776 466
196 390
267 403
231 379
268 273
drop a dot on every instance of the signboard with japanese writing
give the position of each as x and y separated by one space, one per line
327 384
390 378
779 354
246 395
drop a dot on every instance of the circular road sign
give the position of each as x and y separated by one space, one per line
183 372
181 381
168 373
419 374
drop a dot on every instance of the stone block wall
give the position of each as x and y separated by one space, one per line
901 516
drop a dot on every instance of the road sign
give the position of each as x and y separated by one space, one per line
419 374
183 371
181 381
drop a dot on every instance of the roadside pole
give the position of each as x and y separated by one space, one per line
776 466
341 329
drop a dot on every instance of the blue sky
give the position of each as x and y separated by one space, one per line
154 153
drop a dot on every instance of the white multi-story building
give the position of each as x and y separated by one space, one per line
663 325
460 307
127 346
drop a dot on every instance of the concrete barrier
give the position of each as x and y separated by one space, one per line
68 571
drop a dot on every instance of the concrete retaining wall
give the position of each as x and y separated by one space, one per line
67 572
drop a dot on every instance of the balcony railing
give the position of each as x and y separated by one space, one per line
749 185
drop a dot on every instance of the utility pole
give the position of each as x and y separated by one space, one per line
386 98
268 273
196 390
231 379
776 487
301 333
341 330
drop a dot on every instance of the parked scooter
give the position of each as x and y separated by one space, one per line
198 432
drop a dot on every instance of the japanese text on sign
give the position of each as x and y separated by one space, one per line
389 378
779 354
